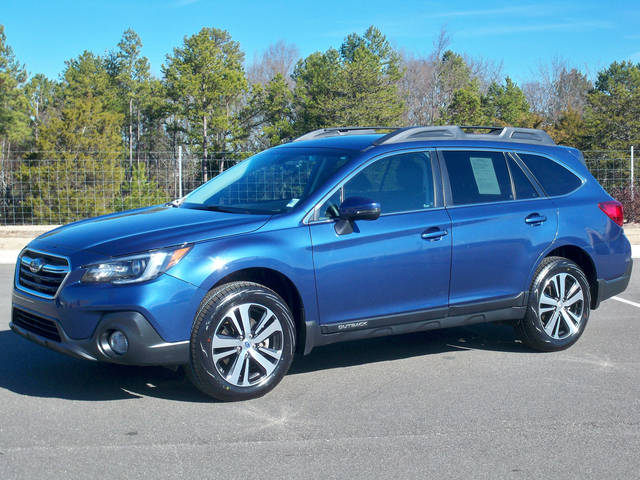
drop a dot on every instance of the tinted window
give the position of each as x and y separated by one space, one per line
478 177
521 183
554 178
399 182
273 181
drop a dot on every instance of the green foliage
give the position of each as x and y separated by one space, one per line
612 116
270 111
506 105
82 146
569 129
130 73
82 129
465 108
65 190
40 93
139 191
204 79
357 85
87 75
14 120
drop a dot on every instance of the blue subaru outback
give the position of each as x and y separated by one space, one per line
344 233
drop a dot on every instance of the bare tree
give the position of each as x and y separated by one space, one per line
558 87
430 82
279 58
484 70
417 91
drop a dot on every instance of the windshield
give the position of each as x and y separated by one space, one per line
271 182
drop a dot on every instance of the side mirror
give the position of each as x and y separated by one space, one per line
359 208
355 208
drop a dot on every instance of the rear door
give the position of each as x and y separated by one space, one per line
501 223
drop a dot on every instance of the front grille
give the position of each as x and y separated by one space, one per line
40 273
38 325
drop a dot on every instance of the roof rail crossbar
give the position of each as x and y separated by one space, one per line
449 132
337 131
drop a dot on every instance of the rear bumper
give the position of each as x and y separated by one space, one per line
146 347
609 288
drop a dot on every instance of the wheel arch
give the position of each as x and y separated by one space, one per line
283 286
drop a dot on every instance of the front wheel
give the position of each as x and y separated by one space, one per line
242 342
558 310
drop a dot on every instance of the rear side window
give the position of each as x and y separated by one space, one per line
554 178
521 183
477 177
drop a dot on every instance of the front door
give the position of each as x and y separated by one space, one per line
391 270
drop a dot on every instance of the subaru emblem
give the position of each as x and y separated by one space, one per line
36 265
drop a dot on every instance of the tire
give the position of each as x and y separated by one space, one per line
558 309
225 362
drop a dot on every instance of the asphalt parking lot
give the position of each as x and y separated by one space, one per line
468 402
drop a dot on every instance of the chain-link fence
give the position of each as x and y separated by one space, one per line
617 171
47 191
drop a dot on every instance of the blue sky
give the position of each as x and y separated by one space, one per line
589 34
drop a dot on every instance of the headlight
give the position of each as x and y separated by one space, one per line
135 268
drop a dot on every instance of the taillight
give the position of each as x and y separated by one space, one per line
614 211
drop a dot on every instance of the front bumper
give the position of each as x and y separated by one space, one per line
146 347
609 288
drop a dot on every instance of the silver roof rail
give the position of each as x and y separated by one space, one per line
449 132
338 131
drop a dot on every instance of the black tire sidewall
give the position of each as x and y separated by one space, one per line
533 321
209 316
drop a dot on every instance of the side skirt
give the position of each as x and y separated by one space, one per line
513 308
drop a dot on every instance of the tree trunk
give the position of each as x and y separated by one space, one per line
131 133
138 137
204 148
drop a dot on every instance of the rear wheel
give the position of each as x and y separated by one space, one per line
558 310
242 342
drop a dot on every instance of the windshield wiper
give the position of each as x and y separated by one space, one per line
218 208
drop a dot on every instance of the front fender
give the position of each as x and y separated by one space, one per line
287 251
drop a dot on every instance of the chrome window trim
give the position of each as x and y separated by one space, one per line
514 151
307 219
404 212
22 288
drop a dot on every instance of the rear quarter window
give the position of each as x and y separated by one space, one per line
554 178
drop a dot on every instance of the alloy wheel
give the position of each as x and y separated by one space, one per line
247 344
561 306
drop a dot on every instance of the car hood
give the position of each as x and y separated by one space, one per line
146 229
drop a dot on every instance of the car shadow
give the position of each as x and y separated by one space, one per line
487 336
32 370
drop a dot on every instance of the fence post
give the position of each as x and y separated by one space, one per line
632 168
180 171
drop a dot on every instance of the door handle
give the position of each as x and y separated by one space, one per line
535 219
433 234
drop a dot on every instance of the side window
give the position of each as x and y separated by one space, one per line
521 183
554 178
399 183
478 177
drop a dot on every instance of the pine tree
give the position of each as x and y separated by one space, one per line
204 80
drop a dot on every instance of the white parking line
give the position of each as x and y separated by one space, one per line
629 302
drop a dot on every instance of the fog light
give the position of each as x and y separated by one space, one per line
118 342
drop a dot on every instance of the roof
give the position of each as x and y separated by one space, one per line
359 138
